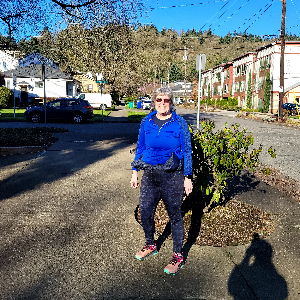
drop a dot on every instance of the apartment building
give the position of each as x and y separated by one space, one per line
232 79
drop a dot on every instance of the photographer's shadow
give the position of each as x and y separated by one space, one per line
256 277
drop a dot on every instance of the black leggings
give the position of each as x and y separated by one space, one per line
168 186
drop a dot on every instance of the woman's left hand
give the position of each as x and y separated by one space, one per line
188 185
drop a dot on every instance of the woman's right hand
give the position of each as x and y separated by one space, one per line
134 180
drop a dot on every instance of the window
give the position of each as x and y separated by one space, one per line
8 84
242 86
219 76
243 69
237 71
215 91
262 64
226 88
39 84
54 104
237 86
261 83
268 62
227 74
259 103
90 87
219 90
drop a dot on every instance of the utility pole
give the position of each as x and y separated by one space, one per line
282 38
185 59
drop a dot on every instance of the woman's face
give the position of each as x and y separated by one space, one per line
162 104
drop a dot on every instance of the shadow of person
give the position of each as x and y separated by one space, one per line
256 277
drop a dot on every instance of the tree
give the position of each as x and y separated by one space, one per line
175 73
25 18
267 93
249 91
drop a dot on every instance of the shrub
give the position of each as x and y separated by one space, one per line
220 155
6 97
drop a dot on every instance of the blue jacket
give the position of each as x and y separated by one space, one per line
155 145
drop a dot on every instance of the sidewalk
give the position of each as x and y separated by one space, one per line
119 114
68 232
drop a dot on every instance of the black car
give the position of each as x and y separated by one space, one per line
76 110
289 106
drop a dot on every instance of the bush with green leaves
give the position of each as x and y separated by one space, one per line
6 97
220 155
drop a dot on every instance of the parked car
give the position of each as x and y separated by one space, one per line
146 104
76 110
291 107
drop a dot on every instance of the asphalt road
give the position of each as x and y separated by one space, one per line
285 140
68 229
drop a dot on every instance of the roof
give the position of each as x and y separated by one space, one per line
34 71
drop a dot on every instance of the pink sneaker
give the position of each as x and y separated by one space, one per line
175 264
146 251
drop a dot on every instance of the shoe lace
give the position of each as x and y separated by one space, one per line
176 258
149 247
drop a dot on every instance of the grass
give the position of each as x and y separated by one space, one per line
7 114
136 116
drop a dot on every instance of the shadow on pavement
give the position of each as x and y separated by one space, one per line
256 277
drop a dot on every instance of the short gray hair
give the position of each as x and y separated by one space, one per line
165 90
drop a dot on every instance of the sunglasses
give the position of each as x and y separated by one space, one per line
159 100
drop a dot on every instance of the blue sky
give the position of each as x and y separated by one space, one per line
224 15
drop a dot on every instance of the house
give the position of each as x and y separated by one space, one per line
88 83
29 85
181 90
252 68
7 61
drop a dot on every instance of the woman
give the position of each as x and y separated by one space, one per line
164 153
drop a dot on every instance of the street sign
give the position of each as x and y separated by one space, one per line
200 62
101 81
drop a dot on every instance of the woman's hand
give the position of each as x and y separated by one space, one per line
134 180
188 185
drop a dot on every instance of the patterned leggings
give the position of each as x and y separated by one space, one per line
168 186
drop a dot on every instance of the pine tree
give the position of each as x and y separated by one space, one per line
249 91
267 93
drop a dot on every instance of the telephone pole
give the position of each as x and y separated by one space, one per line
282 39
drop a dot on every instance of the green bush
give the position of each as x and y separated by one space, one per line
6 97
220 155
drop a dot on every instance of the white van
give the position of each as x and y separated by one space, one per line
97 100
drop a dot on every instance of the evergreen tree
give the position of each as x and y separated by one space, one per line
175 73
267 93
249 91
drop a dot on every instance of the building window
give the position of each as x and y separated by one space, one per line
243 69
259 103
268 62
90 87
227 74
261 83
39 84
237 87
8 84
242 86
226 88
262 64
219 76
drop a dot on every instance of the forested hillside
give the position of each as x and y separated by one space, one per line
133 57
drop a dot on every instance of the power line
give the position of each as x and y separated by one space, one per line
185 5
252 16
216 13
